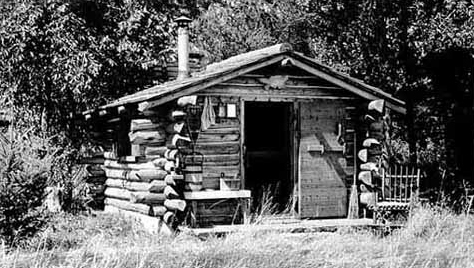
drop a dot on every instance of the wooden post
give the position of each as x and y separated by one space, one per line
245 207
400 185
393 177
418 184
406 185
383 185
243 150
194 211
295 151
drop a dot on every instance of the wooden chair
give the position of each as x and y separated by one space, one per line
399 192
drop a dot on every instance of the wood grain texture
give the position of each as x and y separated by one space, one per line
147 198
322 186
126 205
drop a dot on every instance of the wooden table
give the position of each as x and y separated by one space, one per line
242 195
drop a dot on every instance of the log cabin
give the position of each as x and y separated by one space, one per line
267 127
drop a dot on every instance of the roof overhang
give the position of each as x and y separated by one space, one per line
242 64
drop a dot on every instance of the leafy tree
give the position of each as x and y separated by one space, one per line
23 176
228 28
59 58
420 51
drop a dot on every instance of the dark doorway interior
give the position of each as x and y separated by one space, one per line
268 160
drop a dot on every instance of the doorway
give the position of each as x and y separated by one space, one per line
267 139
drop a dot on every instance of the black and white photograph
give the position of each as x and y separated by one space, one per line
236 133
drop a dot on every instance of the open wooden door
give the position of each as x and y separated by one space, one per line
322 192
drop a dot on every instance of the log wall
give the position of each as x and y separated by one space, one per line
95 185
263 88
147 181
220 145
150 180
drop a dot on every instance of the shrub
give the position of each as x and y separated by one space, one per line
23 178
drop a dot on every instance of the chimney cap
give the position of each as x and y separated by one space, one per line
183 21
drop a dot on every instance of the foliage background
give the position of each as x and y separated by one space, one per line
58 58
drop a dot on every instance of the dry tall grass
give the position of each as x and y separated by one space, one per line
432 238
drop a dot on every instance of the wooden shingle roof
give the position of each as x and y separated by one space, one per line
243 63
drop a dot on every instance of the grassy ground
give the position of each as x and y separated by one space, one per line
432 238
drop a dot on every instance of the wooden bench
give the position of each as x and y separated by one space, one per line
399 191
242 196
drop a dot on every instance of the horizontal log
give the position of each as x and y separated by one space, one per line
211 183
376 126
92 160
152 113
147 174
145 124
147 137
151 158
362 155
365 188
173 180
135 186
187 100
365 177
218 159
96 188
225 123
374 151
126 205
258 86
175 204
370 142
117 173
110 155
205 137
155 150
157 186
377 135
176 141
218 129
219 171
144 175
169 217
175 128
96 135
96 179
193 186
129 166
176 116
367 198
147 198
98 199
95 170
170 193
170 166
160 162
137 149
212 148
96 153
223 163
369 166
377 105
117 193
133 159
225 159
171 154
158 210
304 92
302 80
